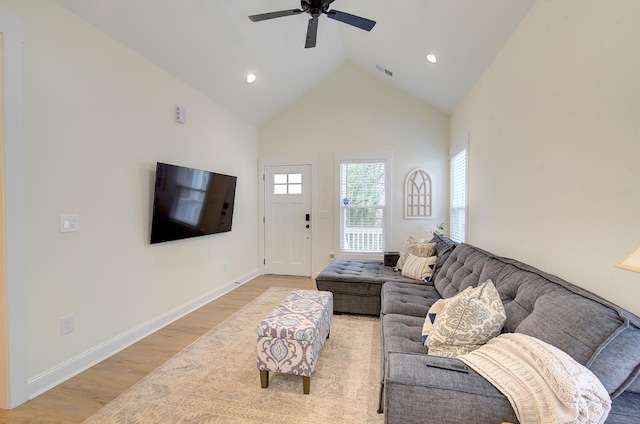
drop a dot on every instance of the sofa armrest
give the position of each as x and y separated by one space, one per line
416 393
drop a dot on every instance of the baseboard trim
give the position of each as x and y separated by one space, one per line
49 379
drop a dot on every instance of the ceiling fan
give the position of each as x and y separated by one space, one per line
315 8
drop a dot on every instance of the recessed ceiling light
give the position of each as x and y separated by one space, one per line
432 58
251 78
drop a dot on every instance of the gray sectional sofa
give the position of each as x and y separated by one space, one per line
596 333
357 285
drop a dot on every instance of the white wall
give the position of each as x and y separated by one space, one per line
354 111
96 119
554 170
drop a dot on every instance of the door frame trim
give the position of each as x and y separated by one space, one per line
16 332
262 164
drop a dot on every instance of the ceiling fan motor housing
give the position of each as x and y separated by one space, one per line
315 7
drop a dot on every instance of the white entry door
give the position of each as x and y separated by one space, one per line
287 220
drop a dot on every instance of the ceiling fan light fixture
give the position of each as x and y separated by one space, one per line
251 78
432 58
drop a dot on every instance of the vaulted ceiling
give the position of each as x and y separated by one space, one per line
212 45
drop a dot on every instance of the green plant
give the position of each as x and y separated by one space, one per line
439 231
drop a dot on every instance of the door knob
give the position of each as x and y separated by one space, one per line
307 225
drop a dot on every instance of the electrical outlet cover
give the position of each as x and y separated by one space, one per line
66 325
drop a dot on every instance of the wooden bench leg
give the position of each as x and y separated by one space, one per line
306 384
264 379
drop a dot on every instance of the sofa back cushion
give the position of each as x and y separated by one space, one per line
598 334
594 332
444 247
635 386
510 288
461 270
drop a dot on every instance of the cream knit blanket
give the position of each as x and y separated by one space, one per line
543 383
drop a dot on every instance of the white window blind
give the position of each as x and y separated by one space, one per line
458 212
362 206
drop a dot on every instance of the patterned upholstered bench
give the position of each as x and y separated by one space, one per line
291 336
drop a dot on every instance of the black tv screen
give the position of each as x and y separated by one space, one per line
190 203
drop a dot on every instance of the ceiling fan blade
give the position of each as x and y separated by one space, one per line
347 18
273 15
312 33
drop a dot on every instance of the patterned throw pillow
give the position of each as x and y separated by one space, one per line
423 250
433 312
468 320
405 251
413 246
419 268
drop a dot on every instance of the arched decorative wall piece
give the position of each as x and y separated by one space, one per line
417 195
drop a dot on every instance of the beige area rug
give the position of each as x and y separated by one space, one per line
215 379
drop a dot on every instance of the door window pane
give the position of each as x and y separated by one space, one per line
287 184
295 178
295 188
280 189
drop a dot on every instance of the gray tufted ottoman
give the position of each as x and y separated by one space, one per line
291 336
356 284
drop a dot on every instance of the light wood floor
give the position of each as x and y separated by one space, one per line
76 399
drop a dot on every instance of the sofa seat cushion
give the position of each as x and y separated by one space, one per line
417 393
402 333
408 299
356 284
361 271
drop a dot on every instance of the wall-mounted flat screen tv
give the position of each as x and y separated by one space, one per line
191 203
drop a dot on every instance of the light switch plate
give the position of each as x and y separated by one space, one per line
69 223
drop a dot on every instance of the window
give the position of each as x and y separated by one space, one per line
458 212
363 196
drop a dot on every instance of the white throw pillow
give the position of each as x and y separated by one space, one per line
419 268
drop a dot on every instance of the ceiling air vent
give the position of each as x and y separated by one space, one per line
384 70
